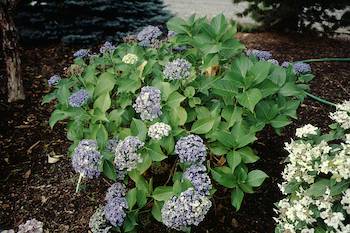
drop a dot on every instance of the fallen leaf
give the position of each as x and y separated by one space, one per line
53 158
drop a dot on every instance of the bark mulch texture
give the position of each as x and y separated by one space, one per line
30 187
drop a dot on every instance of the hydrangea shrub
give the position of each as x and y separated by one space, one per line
191 99
316 179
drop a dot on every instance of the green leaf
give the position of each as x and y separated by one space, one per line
203 126
290 89
166 89
278 76
280 121
139 180
131 198
189 91
219 24
57 115
146 162
138 128
259 72
101 136
163 193
249 98
340 187
141 198
233 159
248 155
319 188
129 84
232 115
156 152
105 83
236 198
256 178
116 116
156 211
178 116
109 170
175 99
224 137
224 176
103 102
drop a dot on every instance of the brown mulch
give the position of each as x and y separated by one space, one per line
33 188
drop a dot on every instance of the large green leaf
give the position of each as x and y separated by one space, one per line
232 115
236 198
249 98
256 178
156 152
175 99
103 102
138 128
109 170
105 84
163 193
202 126
233 159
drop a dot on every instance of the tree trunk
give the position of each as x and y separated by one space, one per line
11 53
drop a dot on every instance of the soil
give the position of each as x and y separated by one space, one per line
33 188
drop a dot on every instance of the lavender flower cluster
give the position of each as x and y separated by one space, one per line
148 103
78 98
188 209
98 222
86 158
191 149
116 204
54 80
199 178
148 36
81 53
126 155
177 69
259 54
31 226
107 47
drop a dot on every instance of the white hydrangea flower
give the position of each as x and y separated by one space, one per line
347 138
345 201
130 58
306 130
341 115
333 219
159 130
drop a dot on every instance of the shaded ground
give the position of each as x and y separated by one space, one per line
32 188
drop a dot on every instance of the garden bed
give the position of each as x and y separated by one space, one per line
32 188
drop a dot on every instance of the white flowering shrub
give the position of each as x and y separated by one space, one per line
316 179
190 98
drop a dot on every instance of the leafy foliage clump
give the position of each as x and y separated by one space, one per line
200 123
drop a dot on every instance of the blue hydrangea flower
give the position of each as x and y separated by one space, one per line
107 47
78 98
286 64
259 54
273 61
148 103
115 210
112 145
98 222
148 36
116 190
191 149
301 68
199 178
126 153
81 53
54 80
31 226
86 158
188 209
177 69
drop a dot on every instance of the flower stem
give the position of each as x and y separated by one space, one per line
78 184
319 99
334 59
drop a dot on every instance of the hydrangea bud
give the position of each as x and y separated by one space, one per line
148 103
98 222
74 70
191 149
301 68
115 210
116 190
177 69
186 210
54 80
199 178
107 47
159 130
126 155
286 64
130 58
78 98
148 36
31 226
81 53
86 159
259 54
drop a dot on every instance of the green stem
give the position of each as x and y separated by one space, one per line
334 59
78 184
320 99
